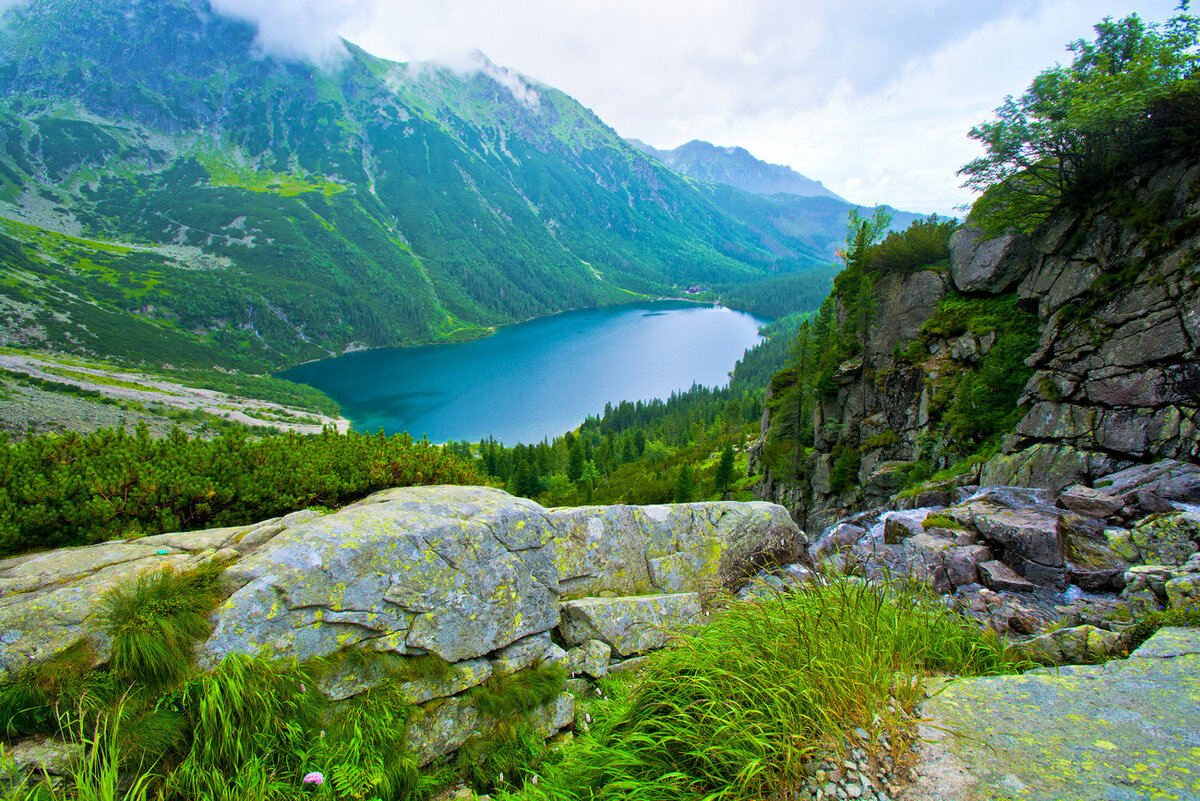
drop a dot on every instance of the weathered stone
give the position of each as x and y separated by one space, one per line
630 624
525 653
47 756
988 265
1090 562
1184 592
1089 502
1168 479
555 716
897 529
1096 579
1142 602
965 349
456 571
925 556
667 549
1167 539
47 600
999 577
1152 338
904 301
1052 466
835 539
632 665
1072 646
885 480
592 657
1120 542
1020 523
1152 577
962 566
441 728
353 677
1117 731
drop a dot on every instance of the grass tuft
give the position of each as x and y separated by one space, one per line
154 626
524 691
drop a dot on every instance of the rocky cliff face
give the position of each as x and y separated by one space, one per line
1103 307
481 581
1117 366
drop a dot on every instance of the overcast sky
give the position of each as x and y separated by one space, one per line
874 97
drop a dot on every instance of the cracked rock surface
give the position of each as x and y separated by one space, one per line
460 572
1127 729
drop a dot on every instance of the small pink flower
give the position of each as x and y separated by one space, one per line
302 688
314 778
535 778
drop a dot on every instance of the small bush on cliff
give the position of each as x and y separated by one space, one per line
1127 94
72 489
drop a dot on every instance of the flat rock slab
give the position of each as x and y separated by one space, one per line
632 624
1128 729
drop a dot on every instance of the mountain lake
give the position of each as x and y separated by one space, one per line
539 378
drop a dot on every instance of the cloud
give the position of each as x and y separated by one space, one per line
296 30
873 97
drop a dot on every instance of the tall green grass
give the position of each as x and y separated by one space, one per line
155 624
737 709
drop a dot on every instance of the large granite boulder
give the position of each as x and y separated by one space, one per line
47 599
459 572
446 587
627 550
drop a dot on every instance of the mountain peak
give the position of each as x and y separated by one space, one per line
736 167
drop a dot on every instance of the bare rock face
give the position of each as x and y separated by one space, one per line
1089 502
629 625
1116 368
988 265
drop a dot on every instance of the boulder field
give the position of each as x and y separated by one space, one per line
482 580
1062 573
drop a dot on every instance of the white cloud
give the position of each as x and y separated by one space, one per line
296 29
874 98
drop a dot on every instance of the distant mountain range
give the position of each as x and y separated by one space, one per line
736 167
169 194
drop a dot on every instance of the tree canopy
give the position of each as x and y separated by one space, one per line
1074 125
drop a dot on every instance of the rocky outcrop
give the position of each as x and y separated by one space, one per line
482 581
1117 373
1115 376
1089 560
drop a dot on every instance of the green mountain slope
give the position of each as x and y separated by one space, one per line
167 193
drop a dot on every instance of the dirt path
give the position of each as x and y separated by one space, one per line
150 391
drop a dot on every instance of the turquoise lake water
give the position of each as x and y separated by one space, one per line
536 379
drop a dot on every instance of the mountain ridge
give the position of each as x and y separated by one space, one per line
736 167
229 207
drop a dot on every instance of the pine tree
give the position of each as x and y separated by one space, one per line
723 478
684 484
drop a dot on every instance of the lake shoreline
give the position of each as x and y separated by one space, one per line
537 379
